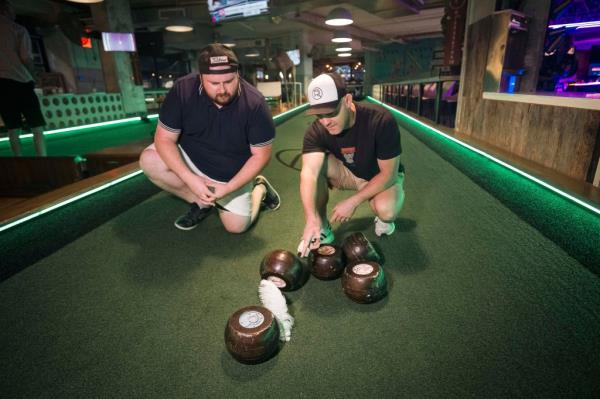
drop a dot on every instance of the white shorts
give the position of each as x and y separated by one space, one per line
238 202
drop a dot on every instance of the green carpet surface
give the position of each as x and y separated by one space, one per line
480 303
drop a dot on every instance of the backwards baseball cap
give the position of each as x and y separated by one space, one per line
215 57
324 93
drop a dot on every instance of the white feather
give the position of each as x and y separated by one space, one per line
273 299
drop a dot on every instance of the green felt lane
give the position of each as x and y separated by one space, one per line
84 141
480 304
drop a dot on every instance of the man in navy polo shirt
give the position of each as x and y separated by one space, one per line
213 137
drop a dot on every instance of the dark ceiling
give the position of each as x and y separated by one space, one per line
290 23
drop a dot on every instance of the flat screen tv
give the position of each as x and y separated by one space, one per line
226 10
117 41
594 59
594 70
294 56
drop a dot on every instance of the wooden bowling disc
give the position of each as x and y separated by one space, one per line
284 269
325 262
364 282
252 334
357 247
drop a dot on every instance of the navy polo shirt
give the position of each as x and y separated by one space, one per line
217 140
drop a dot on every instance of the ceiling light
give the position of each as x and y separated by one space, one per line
341 37
252 53
181 24
345 55
226 41
578 25
343 49
85 1
339 17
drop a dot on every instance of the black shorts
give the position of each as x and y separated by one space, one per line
17 100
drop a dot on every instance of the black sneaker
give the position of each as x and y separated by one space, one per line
191 219
272 201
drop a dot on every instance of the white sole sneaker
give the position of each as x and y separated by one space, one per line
384 228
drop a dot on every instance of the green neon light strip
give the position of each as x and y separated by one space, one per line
109 184
85 127
68 201
496 160
289 111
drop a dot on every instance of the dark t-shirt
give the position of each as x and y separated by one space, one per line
373 136
217 140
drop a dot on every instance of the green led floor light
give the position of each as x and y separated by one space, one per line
68 201
109 184
289 111
85 127
490 157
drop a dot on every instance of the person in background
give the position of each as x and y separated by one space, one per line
214 136
17 82
350 146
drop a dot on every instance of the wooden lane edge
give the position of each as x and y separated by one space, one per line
46 200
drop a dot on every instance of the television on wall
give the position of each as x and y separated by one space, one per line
226 10
117 41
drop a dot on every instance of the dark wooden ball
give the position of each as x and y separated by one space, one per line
364 282
252 335
326 262
284 269
357 247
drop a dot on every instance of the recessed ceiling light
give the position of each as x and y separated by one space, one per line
341 37
345 55
343 49
181 24
339 17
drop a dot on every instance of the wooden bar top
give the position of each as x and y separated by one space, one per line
592 103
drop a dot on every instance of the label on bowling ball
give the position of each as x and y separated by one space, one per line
279 282
251 319
362 269
326 250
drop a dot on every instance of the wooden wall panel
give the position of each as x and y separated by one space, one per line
30 176
559 138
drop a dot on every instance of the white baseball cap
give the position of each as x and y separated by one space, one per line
324 93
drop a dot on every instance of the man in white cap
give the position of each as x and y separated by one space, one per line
214 136
351 146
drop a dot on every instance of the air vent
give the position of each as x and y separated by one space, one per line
171 13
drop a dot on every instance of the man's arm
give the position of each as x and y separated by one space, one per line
388 170
312 163
166 146
258 160
26 55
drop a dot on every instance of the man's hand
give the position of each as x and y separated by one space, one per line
201 190
219 191
311 239
343 211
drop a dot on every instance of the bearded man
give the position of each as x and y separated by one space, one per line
213 138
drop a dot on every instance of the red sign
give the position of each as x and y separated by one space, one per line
86 42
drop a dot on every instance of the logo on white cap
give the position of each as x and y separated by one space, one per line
317 93
322 90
